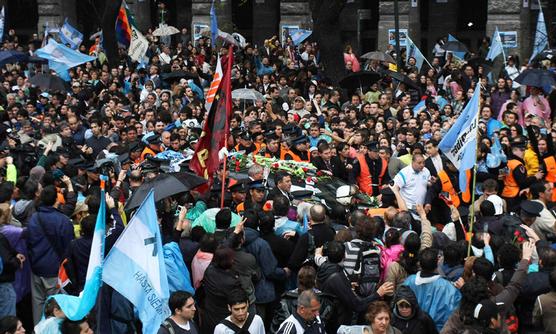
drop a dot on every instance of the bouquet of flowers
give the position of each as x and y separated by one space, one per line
303 170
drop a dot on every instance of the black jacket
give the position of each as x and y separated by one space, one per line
9 260
322 233
419 322
337 167
339 285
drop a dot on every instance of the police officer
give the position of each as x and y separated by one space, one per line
370 171
299 151
515 177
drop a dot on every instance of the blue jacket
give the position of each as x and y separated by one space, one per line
45 257
254 244
436 296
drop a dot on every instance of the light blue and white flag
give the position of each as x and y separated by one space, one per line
496 47
135 267
2 22
422 105
71 36
61 58
413 51
541 36
460 55
77 308
299 35
460 142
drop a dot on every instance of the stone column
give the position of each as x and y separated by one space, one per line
55 12
414 15
183 15
296 13
386 20
141 12
507 16
266 18
200 10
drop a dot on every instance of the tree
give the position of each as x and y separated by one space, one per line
326 31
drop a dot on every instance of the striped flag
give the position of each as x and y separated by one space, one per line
123 25
217 78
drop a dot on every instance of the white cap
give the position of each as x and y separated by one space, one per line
498 204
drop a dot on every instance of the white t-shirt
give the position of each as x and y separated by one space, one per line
257 327
413 186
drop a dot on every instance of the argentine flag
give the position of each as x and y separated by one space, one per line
61 58
460 142
135 267
496 46
70 35
77 308
541 36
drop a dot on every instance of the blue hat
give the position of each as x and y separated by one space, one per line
257 184
300 140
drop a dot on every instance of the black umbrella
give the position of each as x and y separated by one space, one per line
49 82
165 185
536 77
455 46
359 79
11 56
37 59
546 54
399 77
177 75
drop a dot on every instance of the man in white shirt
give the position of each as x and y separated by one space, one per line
240 317
413 181
164 56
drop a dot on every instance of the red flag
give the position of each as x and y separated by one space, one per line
205 161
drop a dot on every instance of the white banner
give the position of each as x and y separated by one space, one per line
138 46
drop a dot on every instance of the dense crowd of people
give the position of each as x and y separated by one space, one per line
288 263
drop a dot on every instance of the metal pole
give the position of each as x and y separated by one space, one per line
397 31
469 235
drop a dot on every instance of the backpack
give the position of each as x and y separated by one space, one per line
168 325
240 330
367 268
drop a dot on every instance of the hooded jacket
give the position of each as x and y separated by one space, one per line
264 289
419 322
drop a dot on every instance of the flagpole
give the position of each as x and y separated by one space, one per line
472 211
223 190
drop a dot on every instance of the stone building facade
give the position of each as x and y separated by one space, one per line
365 23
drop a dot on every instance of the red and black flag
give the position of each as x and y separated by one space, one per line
205 161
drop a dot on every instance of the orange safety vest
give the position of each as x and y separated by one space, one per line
550 164
147 151
294 156
448 187
364 179
511 188
258 147
240 208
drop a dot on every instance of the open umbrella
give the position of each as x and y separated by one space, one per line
380 56
177 75
164 185
399 77
359 79
546 54
37 60
247 94
11 56
165 30
536 77
49 82
455 46
207 220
